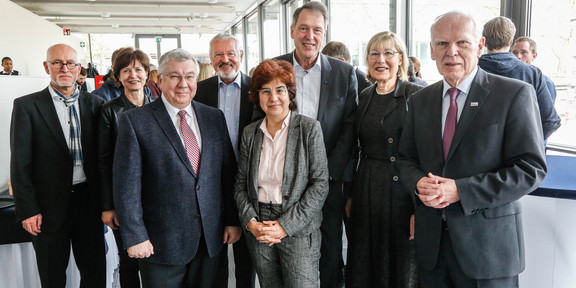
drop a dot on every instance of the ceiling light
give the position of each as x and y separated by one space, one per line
212 1
115 25
105 14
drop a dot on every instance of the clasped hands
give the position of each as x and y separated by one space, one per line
270 232
437 192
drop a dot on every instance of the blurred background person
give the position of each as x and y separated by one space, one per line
380 246
152 82
417 66
131 70
8 67
412 77
339 50
282 182
206 71
81 81
526 50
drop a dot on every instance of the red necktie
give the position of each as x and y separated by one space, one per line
451 120
192 149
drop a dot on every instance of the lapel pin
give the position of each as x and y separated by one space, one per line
473 104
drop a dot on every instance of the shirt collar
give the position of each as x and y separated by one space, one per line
317 66
236 81
285 122
464 86
173 111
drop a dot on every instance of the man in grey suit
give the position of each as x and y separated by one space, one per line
471 147
173 185
326 90
228 91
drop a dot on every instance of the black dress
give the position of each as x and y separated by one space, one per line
379 252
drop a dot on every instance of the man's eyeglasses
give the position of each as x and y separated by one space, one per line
190 78
59 64
375 55
228 54
280 91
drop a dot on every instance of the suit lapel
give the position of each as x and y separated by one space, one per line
45 106
85 123
255 159
212 99
290 160
435 111
166 124
477 95
324 85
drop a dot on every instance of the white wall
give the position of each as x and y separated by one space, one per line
26 37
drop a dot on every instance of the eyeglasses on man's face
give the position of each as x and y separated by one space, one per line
388 54
190 78
59 64
228 54
280 91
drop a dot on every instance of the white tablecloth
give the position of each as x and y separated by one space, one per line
18 265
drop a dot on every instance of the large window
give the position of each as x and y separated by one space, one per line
424 14
271 29
290 7
354 22
238 31
252 50
553 27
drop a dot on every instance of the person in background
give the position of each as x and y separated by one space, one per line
282 182
206 71
326 90
131 70
412 77
54 173
152 84
81 81
174 182
110 89
382 211
228 91
526 50
8 67
340 51
471 147
417 66
499 34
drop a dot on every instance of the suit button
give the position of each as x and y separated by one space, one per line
197 188
390 140
392 159
395 178
285 198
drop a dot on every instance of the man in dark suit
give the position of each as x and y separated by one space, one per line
8 67
471 147
499 34
228 91
53 168
327 90
173 185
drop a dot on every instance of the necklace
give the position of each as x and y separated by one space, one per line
382 93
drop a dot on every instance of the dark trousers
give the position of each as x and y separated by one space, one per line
200 272
448 274
83 229
244 269
331 262
129 277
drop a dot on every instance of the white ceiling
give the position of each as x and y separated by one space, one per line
142 16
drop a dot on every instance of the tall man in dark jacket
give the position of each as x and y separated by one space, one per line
499 34
228 91
327 90
53 167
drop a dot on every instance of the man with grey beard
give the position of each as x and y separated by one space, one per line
228 91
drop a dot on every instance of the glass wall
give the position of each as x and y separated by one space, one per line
252 49
553 27
354 22
271 29
425 12
238 31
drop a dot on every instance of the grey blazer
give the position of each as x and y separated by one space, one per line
496 157
305 180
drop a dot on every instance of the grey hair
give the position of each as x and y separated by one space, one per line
60 44
458 14
179 55
225 36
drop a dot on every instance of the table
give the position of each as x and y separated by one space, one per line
549 216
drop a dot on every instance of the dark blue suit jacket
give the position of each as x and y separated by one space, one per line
157 195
